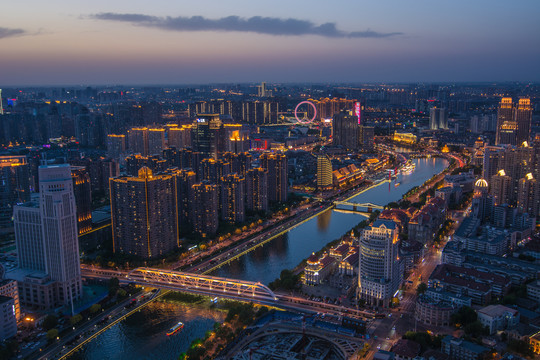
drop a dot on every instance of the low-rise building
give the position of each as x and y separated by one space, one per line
10 289
318 269
433 312
405 349
533 291
8 320
459 349
498 317
457 300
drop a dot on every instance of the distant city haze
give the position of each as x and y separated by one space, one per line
62 42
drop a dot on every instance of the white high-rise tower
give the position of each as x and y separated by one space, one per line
47 237
1 107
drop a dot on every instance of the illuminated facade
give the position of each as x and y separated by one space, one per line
406 138
513 121
144 214
324 171
185 179
438 119
83 198
179 137
206 135
528 197
380 269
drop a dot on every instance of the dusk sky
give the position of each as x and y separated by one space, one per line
180 42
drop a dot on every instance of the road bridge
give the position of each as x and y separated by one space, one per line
204 284
363 205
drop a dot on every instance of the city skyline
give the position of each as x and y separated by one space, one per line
64 43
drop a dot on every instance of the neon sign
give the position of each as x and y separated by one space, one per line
357 110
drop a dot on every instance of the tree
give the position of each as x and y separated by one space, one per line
114 285
421 288
465 315
50 322
52 334
75 319
95 308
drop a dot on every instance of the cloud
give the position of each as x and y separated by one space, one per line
255 24
6 32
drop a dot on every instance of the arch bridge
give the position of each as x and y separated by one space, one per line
365 205
205 284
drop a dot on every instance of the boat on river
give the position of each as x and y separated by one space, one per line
176 328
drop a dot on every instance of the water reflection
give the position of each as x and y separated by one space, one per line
323 221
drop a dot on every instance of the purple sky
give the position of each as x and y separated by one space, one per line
175 42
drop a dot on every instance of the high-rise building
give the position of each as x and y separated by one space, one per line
345 130
206 135
179 137
135 162
366 137
8 325
185 179
380 271
528 197
14 187
10 289
205 208
482 202
262 91
257 190
213 170
116 146
501 188
438 118
232 196
83 198
156 141
144 214
324 171
1 104
492 157
276 166
260 112
46 238
240 163
523 115
138 141
513 123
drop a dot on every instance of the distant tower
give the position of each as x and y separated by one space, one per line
324 171
1 107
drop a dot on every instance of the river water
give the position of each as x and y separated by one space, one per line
142 336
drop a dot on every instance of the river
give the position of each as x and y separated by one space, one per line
142 336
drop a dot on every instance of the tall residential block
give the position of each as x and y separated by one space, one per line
144 214
276 166
138 141
233 198
380 271
206 135
345 130
116 146
156 141
257 190
513 121
205 208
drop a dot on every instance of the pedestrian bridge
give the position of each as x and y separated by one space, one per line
364 205
203 284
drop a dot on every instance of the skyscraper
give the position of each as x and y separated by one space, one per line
205 208
276 166
257 190
324 171
83 198
46 236
513 123
144 214
345 130
438 118
14 187
501 188
1 104
206 133
523 115
366 137
233 192
179 137
185 179
380 271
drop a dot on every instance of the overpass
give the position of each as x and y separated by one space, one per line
203 284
